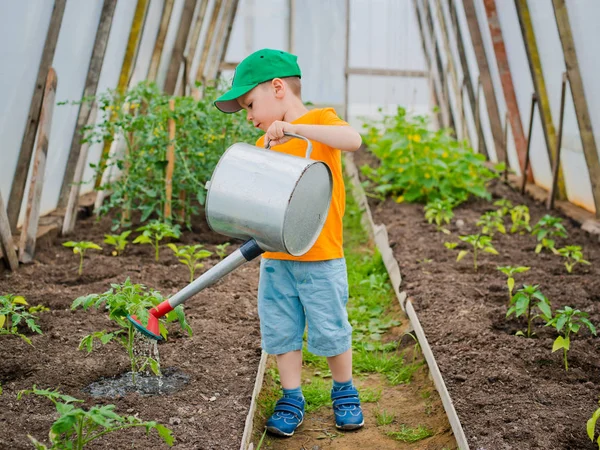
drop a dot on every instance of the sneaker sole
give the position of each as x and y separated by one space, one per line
278 432
350 426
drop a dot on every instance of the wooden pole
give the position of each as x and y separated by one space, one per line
179 47
71 210
91 84
32 213
346 62
523 178
482 148
170 162
556 162
218 41
223 52
579 99
486 79
195 38
539 84
6 240
208 41
516 125
135 34
20 176
160 39
506 162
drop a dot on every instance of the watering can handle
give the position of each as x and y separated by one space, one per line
308 143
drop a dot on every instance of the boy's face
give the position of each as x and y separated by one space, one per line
263 103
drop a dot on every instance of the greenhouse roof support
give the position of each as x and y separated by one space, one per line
160 39
180 41
20 177
581 108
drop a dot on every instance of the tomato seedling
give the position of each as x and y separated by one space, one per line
490 222
504 206
440 212
567 321
12 313
189 255
520 219
118 241
573 256
155 232
546 230
528 299
221 250
510 271
79 248
478 243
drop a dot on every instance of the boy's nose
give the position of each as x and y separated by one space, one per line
249 116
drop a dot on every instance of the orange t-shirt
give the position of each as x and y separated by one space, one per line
329 244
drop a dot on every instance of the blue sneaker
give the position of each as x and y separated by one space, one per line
288 415
346 408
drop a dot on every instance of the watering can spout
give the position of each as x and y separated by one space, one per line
247 252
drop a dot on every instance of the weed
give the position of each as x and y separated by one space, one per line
383 417
408 434
79 248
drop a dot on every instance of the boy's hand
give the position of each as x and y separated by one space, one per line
274 134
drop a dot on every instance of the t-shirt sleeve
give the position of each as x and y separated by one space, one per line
330 117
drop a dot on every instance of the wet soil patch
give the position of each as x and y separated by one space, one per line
509 392
218 362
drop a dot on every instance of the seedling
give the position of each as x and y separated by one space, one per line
119 241
221 250
573 256
189 255
520 219
155 232
77 427
79 248
509 271
546 230
478 242
440 212
123 300
526 301
504 206
490 222
591 426
567 321
12 313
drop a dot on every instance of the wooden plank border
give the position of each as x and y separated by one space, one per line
581 108
34 196
20 175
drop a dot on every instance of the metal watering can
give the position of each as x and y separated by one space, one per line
274 201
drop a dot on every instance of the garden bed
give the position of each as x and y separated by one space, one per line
509 391
220 359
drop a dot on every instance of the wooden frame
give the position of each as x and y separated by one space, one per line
91 84
208 41
7 244
578 92
194 39
231 20
24 160
160 39
486 79
183 32
218 41
34 196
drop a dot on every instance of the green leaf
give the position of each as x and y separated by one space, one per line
461 255
591 424
491 250
545 309
559 343
165 433
511 283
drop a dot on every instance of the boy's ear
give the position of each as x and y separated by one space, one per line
278 87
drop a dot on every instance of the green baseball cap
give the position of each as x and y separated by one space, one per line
260 66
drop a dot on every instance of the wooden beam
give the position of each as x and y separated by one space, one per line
218 43
223 52
160 39
486 79
179 47
91 84
556 163
579 99
508 88
7 244
20 176
170 163
208 41
467 79
195 38
32 214
388 72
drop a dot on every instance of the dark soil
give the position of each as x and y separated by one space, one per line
220 359
509 391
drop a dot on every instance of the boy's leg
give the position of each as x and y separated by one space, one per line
290 369
341 366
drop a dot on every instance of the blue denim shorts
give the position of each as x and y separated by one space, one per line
292 294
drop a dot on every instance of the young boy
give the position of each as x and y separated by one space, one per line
312 288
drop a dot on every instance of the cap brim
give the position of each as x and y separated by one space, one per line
227 102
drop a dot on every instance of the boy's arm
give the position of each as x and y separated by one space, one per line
344 138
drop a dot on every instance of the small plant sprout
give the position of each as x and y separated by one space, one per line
490 222
12 313
591 426
189 255
76 427
510 271
119 241
504 206
79 248
383 417
567 321
526 301
440 212
546 230
520 219
155 232
123 300
478 243
573 256
221 250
